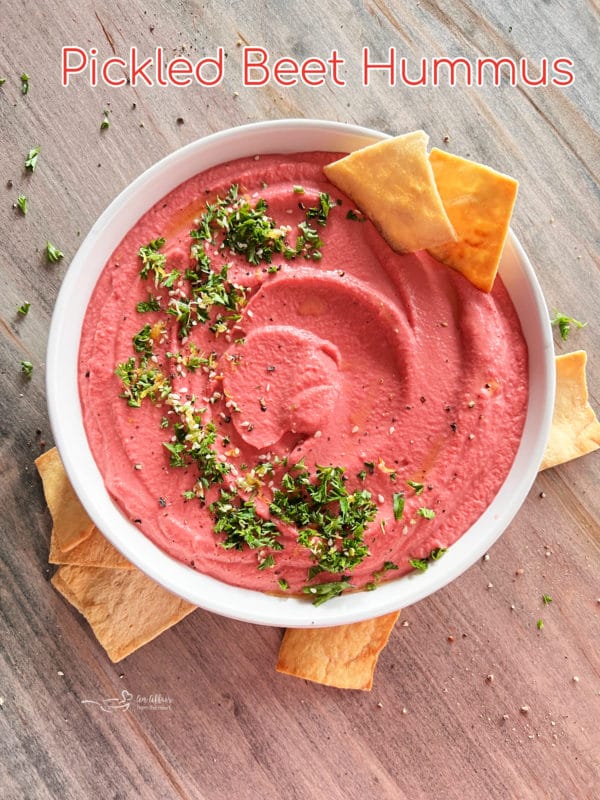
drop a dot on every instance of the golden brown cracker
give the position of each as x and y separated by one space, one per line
392 183
575 429
479 202
125 608
71 522
343 656
95 551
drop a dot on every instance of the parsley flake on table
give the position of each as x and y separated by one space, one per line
540 624
27 369
2 81
546 599
564 324
22 204
24 83
32 158
105 124
23 309
53 254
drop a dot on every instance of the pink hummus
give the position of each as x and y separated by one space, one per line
391 366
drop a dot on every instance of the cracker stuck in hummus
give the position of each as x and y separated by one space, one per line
344 656
392 182
575 429
479 202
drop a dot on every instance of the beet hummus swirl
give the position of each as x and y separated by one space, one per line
279 400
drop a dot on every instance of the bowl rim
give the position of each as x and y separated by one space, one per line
206 592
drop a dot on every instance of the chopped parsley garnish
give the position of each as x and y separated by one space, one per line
564 324
323 592
140 381
370 465
151 304
362 475
298 189
540 624
283 584
398 505
154 261
426 513
249 231
418 487
308 242
238 521
331 522
422 563
27 369
321 211
23 309
24 83
143 341
267 562
194 441
22 204
105 121
32 158
53 254
387 566
546 599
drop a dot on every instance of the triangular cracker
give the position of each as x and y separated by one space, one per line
479 202
125 608
392 183
575 429
344 656
71 522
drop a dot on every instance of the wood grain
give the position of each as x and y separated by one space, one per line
434 725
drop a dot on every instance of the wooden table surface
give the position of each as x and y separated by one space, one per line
435 725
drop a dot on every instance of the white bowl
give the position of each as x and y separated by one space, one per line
283 136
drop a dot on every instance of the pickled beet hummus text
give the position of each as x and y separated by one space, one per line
279 400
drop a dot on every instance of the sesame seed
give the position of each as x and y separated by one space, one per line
318 434
525 709
471 436
392 429
471 403
380 499
486 557
355 429
60 672
575 678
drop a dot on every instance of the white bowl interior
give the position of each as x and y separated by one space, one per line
283 136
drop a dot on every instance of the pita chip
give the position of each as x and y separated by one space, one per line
344 656
575 429
392 183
